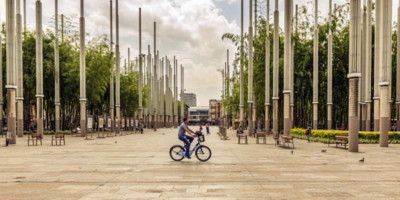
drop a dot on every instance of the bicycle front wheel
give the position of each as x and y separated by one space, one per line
177 153
203 153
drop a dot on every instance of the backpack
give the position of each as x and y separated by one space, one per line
307 132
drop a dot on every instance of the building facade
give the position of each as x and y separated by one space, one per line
199 115
190 99
216 111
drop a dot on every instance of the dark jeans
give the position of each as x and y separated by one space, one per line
187 139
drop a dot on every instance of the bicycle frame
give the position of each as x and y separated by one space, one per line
182 153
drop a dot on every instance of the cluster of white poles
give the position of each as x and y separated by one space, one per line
157 73
360 70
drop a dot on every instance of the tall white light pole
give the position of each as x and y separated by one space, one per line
117 77
267 71
11 70
250 72
1 85
398 70
182 92
39 68
275 81
368 65
287 57
386 63
24 16
128 68
241 116
149 84
377 63
363 108
155 98
140 68
175 93
82 70
170 101
227 88
315 67
112 85
330 99
354 73
20 78
56 72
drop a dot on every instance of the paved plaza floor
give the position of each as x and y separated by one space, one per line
139 167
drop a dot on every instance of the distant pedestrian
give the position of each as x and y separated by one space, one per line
201 128
141 127
308 133
208 129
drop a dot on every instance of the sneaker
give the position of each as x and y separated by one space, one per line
188 157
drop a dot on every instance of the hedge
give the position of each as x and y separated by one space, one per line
326 136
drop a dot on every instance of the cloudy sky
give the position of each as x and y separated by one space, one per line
191 30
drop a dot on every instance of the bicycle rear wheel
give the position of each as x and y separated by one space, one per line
203 153
177 153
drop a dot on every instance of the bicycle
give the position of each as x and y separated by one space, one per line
202 152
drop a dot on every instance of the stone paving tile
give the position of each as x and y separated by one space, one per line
139 167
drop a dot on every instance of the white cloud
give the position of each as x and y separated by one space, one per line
189 29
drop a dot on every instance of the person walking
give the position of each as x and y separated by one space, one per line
208 129
308 133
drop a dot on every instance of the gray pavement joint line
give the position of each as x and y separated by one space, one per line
98 185
106 182
338 171
248 171
203 182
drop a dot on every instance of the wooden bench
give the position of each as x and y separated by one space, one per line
58 140
262 135
242 136
35 137
341 141
287 140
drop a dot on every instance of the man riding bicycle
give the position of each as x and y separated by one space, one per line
187 139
